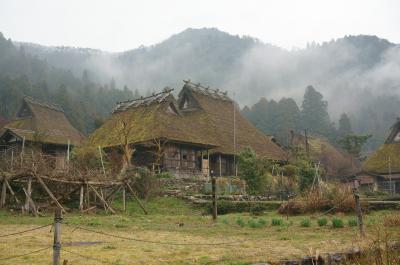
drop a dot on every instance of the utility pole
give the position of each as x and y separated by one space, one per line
57 236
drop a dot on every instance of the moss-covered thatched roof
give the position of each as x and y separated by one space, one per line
208 122
335 161
36 121
378 162
222 114
150 120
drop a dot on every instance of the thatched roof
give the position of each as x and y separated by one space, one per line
335 161
37 121
147 119
206 121
378 162
221 112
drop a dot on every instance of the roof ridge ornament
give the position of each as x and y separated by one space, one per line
142 101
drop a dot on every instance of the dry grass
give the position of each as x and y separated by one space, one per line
392 220
268 243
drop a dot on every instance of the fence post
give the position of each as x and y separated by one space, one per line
214 198
81 198
359 212
124 198
57 236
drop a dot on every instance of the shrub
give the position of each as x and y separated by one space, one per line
262 222
337 223
332 196
276 222
240 222
252 223
352 222
322 221
305 223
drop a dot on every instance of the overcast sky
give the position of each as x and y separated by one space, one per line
117 25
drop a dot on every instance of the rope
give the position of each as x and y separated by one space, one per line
26 231
158 242
26 254
83 256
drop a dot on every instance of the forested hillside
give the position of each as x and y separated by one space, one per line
356 75
85 102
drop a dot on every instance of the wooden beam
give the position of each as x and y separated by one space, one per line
29 190
49 193
12 192
136 198
3 193
32 204
102 200
81 198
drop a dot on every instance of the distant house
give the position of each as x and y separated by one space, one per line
199 133
40 127
335 162
381 171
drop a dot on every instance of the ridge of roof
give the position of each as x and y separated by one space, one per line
43 104
142 101
207 91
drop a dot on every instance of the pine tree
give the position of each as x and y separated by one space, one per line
344 126
314 113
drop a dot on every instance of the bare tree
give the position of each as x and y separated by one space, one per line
124 129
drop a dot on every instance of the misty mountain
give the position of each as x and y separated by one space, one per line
358 75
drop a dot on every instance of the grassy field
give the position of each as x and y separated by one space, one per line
234 239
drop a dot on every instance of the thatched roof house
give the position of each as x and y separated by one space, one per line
43 124
383 167
334 161
232 131
200 132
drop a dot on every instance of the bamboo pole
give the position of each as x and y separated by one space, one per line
102 162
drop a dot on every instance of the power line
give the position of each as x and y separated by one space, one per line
26 254
158 242
26 231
